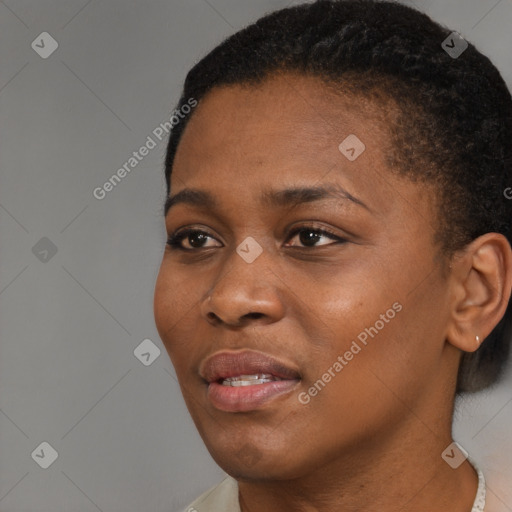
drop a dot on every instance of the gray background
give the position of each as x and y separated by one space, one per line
70 324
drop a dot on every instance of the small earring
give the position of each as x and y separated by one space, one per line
477 341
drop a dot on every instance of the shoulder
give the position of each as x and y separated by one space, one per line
220 498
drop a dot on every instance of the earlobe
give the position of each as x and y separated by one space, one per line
481 278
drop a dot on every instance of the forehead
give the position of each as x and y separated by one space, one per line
288 121
285 133
282 132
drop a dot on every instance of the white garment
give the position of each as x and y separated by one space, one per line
224 496
479 503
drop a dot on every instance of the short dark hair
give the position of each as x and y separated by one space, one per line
454 129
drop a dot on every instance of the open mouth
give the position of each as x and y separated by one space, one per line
239 381
249 380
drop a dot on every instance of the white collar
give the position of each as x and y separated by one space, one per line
479 503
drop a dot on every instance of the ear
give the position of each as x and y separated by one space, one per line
481 282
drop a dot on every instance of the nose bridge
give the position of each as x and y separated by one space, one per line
243 268
244 285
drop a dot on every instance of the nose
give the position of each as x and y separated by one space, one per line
244 293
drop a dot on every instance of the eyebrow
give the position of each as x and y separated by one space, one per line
270 198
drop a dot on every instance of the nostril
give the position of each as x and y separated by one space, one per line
253 315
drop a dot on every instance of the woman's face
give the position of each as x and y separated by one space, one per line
351 321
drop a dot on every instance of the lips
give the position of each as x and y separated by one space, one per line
224 365
245 380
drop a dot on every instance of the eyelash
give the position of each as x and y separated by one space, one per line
174 240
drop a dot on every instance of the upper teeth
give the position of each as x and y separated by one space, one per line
249 380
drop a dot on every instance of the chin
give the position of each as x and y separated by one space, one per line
257 455
267 467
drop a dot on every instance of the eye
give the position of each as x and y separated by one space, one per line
310 235
195 237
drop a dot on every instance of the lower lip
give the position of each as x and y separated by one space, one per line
247 398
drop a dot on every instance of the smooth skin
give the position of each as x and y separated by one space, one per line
372 439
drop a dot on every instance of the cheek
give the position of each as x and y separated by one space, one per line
174 300
351 326
163 301
349 304
392 350
370 320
